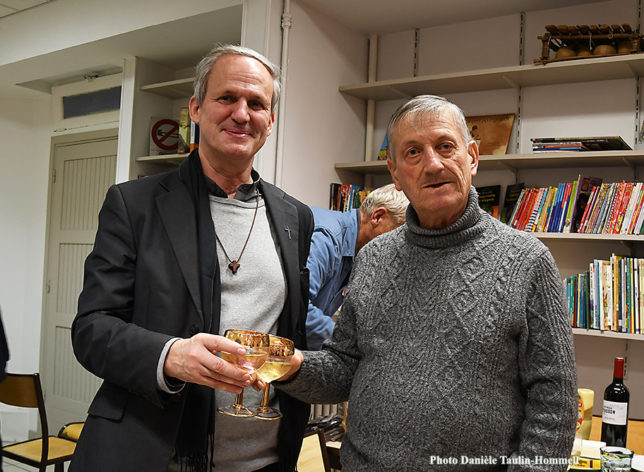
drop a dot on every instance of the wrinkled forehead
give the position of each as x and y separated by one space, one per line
423 120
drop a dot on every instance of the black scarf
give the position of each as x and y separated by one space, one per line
196 432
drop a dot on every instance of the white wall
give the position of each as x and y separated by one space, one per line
24 165
25 126
322 126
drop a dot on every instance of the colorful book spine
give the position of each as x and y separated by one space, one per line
604 209
615 203
544 212
565 204
623 207
538 206
571 206
587 210
629 214
585 185
530 204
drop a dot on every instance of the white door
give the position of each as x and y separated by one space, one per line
83 168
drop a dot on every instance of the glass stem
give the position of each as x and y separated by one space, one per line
265 399
239 400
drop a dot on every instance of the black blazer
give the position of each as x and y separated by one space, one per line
141 289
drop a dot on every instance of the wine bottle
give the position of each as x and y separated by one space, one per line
615 410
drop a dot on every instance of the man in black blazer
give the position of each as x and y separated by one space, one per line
179 258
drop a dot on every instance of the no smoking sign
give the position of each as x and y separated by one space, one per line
164 136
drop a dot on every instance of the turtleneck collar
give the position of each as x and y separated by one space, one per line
469 225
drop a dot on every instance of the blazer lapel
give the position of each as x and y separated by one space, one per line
181 226
284 220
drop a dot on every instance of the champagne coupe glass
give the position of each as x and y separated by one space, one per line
278 363
257 345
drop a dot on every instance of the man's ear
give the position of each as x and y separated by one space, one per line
473 152
193 107
378 215
271 122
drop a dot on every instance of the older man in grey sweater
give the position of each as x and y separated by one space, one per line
453 348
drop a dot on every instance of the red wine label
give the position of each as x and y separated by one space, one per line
615 413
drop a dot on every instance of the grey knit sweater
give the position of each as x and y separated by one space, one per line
453 347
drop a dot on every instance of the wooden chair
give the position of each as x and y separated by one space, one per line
313 455
24 390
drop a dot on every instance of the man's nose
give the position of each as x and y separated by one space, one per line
240 112
433 161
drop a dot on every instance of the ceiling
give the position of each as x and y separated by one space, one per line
388 16
9 7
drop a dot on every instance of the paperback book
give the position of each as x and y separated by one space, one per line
591 143
512 194
489 199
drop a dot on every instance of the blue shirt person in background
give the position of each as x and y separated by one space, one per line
336 240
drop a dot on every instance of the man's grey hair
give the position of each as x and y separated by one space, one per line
432 105
202 71
386 196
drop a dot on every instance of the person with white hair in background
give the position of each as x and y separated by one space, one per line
337 238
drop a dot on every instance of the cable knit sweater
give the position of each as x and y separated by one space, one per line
454 350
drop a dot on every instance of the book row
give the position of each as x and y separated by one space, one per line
344 197
614 208
584 206
609 296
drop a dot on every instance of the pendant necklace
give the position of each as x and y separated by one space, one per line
234 265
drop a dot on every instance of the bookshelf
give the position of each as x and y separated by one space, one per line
564 72
628 238
607 334
542 160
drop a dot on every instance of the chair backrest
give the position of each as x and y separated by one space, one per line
19 390
25 390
